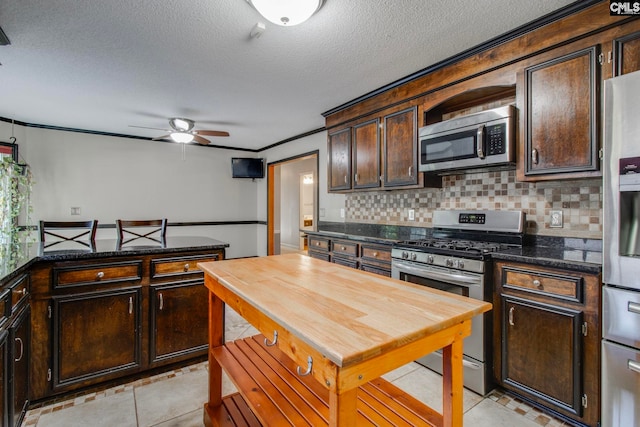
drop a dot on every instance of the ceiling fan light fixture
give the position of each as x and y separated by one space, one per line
182 137
287 13
181 124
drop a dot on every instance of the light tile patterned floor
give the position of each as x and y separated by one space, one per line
176 399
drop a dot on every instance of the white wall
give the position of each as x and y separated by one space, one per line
111 177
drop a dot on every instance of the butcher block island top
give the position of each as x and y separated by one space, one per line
329 333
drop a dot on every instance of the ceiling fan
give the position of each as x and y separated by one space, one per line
182 131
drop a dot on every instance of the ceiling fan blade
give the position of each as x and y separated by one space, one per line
212 132
201 140
145 127
162 137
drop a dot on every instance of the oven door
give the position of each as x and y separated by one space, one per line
446 151
449 280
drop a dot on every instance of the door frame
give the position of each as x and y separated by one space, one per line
271 193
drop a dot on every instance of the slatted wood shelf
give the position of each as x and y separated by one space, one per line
271 389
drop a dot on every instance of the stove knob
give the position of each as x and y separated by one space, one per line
461 264
449 262
405 255
430 259
413 257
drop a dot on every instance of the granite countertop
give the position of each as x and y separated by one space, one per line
557 252
29 253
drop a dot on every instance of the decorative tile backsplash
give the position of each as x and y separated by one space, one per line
579 200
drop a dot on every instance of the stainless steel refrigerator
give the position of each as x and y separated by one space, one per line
621 256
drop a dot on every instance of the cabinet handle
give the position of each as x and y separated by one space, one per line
317 243
355 178
19 340
375 254
309 367
342 248
273 342
161 301
100 275
410 171
130 305
537 284
633 307
633 365
511 310
186 267
534 156
345 179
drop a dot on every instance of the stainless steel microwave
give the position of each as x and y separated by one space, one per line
479 140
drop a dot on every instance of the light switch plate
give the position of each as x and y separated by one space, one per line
555 219
75 210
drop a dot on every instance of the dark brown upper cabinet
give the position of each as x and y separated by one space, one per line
560 116
339 161
366 154
400 136
626 51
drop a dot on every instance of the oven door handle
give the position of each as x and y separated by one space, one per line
457 279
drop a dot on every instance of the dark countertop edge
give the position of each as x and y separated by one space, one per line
359 238
546 261
546 251
139 251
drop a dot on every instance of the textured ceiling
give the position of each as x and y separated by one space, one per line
106 65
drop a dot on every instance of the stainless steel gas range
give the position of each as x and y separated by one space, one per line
456 259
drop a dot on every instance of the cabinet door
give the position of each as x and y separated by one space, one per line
19 337
560 118
179 321
339 166
366 155
4 379
96 336
542 351
627 54
401 148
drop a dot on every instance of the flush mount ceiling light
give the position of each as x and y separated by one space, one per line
287 12
182 137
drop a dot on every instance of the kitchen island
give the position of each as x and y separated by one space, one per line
106 312
329 333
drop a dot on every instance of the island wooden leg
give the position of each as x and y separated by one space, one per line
343 408
452 372
216 338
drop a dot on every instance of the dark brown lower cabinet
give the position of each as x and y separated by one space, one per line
542 351
179 320
19 359
547 338
4 378
97 336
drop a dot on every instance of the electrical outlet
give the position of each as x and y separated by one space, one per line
555 219
412 215
75 210
341 212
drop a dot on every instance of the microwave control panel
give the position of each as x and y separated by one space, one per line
496 139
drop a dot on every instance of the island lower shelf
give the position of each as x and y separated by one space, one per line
272 393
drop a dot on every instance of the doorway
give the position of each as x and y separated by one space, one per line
292 202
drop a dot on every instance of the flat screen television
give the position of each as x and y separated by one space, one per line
247 167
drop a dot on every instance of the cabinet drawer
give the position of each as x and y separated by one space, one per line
93 274
19 292
621 316
345 247
320 255
376 253
318 244
562 286
179 266
346 261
